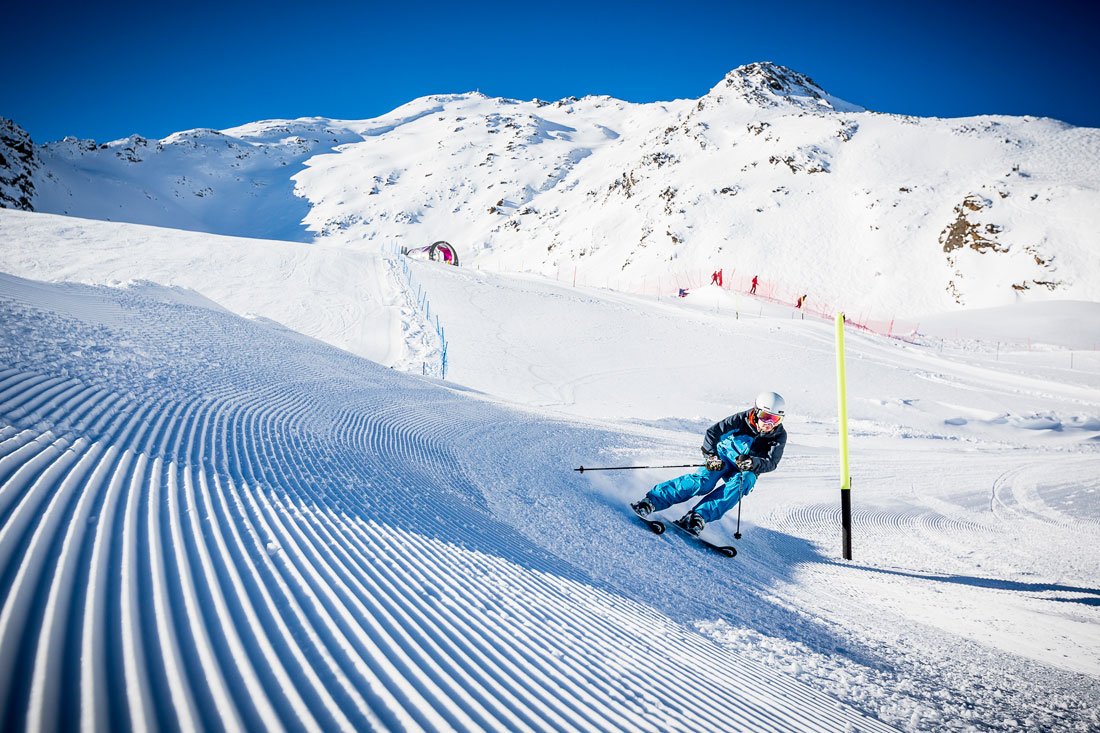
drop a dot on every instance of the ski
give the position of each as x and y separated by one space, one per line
658 527
654 526
727 550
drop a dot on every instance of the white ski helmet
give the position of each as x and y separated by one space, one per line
771 402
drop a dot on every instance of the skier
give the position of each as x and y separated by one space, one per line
738 449
755 282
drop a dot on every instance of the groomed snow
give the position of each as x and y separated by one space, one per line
210 516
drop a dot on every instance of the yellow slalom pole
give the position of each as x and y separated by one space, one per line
842 411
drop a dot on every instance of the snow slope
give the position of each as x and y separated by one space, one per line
330 293
229 525
767 174
211 519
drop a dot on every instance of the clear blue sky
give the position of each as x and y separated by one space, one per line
108 69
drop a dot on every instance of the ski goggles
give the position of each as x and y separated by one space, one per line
766 420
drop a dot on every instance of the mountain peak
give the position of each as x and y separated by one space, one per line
765 84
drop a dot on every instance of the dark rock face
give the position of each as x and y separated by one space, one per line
18 162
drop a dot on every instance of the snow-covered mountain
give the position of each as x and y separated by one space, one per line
767 174
236 182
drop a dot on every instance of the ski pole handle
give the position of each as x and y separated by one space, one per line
582 469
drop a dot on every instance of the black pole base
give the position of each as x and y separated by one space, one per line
846 521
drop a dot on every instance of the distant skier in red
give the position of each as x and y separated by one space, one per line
714 278
755 282
719 277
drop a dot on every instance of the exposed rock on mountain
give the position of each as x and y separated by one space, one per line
974 230
18 163
769 85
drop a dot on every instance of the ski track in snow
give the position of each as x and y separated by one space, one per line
207 522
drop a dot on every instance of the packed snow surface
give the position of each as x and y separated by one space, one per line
229 499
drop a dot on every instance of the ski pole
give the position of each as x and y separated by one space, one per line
582 469
737 534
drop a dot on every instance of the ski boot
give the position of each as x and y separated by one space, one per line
642 508
692 523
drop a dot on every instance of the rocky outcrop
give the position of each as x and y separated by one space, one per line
769 85
972 232
18 162
963 232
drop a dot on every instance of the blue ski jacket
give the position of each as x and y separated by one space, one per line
734 436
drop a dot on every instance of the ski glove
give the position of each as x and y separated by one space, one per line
714 463
744 463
